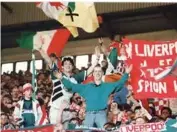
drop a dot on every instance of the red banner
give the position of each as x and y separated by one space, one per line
47 128
152 64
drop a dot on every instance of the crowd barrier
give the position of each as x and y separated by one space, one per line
147 127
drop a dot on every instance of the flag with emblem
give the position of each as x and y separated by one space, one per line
159 104
52 41
72 15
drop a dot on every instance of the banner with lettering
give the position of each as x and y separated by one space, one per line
153 65
147 127
46 128
169 125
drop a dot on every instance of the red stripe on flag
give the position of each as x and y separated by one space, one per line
145 103
58 42
56 4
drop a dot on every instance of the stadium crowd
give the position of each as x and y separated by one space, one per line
122 109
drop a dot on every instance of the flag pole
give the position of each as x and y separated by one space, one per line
33 74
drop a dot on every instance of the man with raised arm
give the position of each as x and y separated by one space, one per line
60 96
96 94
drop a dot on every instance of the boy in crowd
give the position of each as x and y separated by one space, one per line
27 112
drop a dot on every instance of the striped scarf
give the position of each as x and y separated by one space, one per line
57 90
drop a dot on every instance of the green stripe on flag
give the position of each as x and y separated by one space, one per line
72 5
26 40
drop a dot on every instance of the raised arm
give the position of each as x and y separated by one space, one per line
90 69
46 58
120 84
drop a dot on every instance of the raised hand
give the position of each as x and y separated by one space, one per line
128 69
58 75
100 40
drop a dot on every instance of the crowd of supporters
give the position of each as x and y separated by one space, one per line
118 113
122 108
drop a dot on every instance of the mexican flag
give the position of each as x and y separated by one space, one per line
72 15
52 41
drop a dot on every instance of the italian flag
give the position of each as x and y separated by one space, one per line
52 41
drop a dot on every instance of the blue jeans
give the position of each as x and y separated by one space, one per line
97 117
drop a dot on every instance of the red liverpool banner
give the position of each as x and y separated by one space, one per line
46 128
153 65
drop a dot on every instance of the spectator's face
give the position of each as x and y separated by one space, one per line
140 121
122 51
76 95
130 114
67 66
42 76
165 114
15 92
40 94
97 73
52 58
6 101
20 89
4 119
77 100
28 93
11 119
138 113
7 78
103 63
113 106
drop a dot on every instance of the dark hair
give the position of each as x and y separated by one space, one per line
137 108
5 114
98 65
68 59
53 55
41 101
8 96
167 108
112 37
153 111
125 107
109 126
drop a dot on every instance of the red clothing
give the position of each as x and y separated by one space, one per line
114 44
44 115
59 65
88 80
